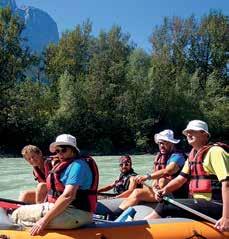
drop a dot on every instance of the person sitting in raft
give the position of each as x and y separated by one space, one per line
72 191
207 168
41 167
125 184
168 164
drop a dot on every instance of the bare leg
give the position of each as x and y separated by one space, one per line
28 196
32 196
138 195
41 192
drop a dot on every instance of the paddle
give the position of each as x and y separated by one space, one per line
9 203
107 194
193 211
184 207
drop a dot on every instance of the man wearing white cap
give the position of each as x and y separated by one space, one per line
167 165
207 168
72 186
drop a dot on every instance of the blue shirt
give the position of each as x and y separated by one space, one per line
177 158
77 173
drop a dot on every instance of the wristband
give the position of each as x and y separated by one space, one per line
149 176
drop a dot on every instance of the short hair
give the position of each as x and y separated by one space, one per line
30 149
125 158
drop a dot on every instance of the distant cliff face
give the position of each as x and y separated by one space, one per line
8 3
40 28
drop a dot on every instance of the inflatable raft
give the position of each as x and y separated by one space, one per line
169 228
173 228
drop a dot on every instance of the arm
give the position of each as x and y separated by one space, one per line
223 223
106 188
131 188
170 169
216 162
225 196
175 184
60 205
171 186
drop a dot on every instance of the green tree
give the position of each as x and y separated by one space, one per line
215 105
30 106
106 85
72 54
209 46
185 54
134 98
13 58
14 62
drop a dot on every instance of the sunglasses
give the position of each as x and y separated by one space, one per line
61 150
124 164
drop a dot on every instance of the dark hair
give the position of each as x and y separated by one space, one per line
125 158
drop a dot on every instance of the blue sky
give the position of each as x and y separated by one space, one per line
137 17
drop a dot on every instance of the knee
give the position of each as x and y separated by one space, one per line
137 194
23 196
41 187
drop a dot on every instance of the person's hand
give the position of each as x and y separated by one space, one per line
159 193
38 227
222 224
141 178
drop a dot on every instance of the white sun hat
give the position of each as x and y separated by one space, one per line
196 125
166 135
64 139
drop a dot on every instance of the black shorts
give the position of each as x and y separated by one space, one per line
210 208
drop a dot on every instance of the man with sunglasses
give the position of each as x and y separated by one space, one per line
207 168
72 186
168 163
125 184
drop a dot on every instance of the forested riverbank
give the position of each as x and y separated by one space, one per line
109 93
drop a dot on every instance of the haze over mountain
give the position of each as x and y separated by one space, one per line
40 28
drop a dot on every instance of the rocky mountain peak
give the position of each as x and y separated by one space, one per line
40 29
8 3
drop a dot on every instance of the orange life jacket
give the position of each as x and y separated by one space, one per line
86 199
200 180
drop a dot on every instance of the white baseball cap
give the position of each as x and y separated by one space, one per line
64 139
166 135
196 125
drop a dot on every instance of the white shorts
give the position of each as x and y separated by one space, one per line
70 218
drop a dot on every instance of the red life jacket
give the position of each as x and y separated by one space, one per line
41 176
160 163
86 199
201 181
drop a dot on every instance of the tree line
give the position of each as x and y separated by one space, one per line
109 93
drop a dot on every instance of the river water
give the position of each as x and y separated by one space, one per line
16 174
